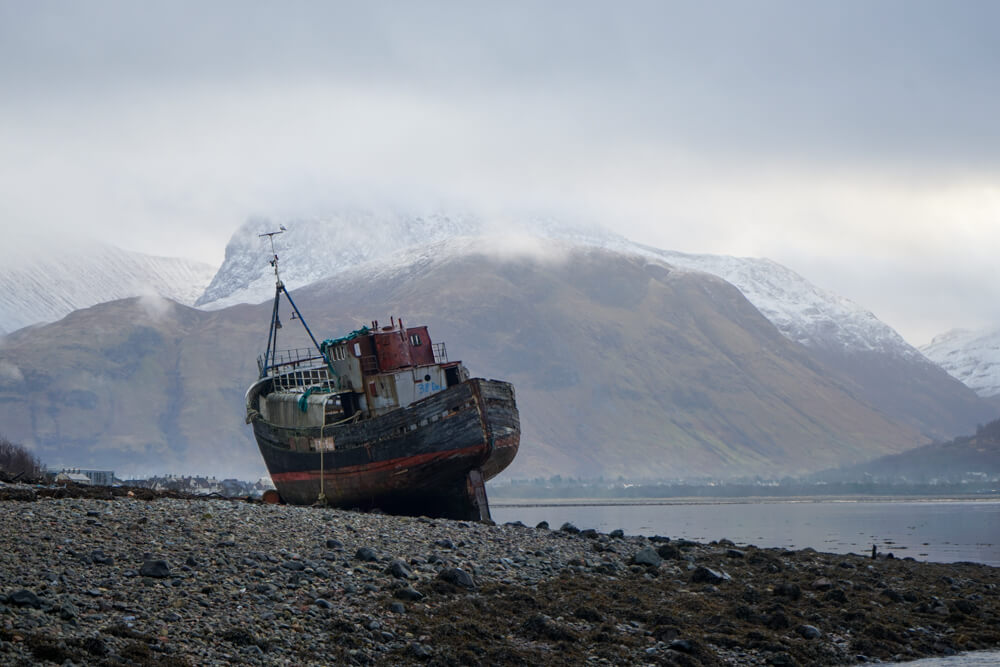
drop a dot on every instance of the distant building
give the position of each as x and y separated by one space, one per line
75 477
83 476
203 486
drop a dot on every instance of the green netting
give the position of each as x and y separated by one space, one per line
330 342
304 399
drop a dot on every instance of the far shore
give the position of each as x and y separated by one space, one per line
504 501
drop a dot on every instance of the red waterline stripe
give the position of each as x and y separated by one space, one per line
404 461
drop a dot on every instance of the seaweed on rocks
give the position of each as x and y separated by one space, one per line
184 581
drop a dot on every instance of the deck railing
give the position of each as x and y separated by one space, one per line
298 368
304 367
318 376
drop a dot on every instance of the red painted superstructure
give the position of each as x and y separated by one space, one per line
396 346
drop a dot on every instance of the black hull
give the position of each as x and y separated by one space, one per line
426 459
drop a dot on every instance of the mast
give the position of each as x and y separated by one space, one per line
272 334
279 289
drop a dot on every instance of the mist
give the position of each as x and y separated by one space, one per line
855 143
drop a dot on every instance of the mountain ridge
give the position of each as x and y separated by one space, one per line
324 247
972 357
622 365
47 282
962 459
853 344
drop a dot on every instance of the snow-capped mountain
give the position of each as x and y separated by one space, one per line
623 365
578 330
848 341
972 357
43 283
803 312
321 248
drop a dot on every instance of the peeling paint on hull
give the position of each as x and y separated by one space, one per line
416 460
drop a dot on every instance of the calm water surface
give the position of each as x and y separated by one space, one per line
973 659
934 530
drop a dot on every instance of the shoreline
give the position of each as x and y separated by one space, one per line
730 500
939 530
195 581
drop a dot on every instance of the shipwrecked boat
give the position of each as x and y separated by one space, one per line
379 418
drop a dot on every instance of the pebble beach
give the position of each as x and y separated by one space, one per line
174 581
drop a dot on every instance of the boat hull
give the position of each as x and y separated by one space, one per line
429 458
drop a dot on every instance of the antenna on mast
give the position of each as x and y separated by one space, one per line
274 256
272 334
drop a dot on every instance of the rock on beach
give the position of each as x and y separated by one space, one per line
199 582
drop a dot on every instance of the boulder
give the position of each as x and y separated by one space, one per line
647 556
157 569
706 575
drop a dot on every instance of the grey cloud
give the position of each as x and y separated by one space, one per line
704 127
832 80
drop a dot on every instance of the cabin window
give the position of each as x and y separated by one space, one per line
415 340
339 353
357 349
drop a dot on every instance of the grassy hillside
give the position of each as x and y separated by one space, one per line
622 367
964 459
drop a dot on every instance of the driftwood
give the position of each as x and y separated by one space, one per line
8 478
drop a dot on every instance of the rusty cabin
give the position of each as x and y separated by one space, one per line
371 371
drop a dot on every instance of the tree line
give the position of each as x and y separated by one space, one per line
16 461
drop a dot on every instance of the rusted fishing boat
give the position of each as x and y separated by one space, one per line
379 418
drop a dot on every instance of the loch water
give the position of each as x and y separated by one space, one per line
939 530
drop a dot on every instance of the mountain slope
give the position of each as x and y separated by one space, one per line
863 353
964 458
859 349
321 248
803 312
623 366
972 357
43 283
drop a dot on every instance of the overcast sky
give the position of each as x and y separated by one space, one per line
857 143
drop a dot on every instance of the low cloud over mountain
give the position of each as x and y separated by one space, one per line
623 364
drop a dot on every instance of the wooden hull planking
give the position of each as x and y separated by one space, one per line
430 458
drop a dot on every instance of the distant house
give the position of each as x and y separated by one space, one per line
75 477
83 476
200 485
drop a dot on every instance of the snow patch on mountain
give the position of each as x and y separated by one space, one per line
971 357
409 263
44 284
803 312
323 247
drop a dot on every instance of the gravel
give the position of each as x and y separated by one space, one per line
125 581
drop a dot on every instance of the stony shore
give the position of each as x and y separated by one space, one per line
168 581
